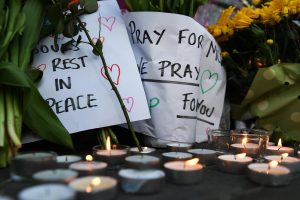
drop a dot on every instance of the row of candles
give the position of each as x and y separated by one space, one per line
142 174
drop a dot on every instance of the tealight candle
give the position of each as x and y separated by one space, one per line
235 164
269 174
279 149
112 157
176 146
95 187
142 162
24 165
64 161
290 162
206 156
250 149
184 172
89 167
142 181
173 156
145 150
47 192
55 175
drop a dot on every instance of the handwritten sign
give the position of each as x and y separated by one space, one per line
75 85
179 62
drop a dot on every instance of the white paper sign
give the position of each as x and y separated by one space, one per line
74 83
179 62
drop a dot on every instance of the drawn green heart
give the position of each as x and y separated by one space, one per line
208 85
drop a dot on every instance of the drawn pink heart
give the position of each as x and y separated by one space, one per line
107 22
102 39
128 103
41 67
114 72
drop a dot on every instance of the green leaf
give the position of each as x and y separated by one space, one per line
38 116
56 18
90 6
99 46
35 75
70 29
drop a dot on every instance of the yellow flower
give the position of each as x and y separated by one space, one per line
225 54
225 16
294 6
241 20
256 2
270 42
221 29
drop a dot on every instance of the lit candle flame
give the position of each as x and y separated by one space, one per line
108 145
191 162
279 144
89 158
284 155
95 181
244 141
240 155
272 164
89 189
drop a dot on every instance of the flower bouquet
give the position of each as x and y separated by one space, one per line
261 52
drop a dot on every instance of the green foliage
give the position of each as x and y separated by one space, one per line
184 7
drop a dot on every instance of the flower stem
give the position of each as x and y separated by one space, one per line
99 51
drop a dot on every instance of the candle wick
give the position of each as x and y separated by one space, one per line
109 152
278 148
234 157
66 158
244 146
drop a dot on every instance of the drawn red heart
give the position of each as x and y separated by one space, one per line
128 103
41 67
114 72
107 22
102 39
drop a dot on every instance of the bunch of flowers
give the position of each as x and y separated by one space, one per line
261 52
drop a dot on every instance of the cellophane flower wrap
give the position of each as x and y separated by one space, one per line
261 53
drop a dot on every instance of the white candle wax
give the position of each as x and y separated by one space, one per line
143 159
264 168
142 181
248 148
233 158
47 192
35 156
176 146
245 146
81 184
279 150
202 151
67 159
26 164
236 164
177 155
141 174
113 152
145 150
284 160
206 156
88 166
290 162
58 175
182 166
